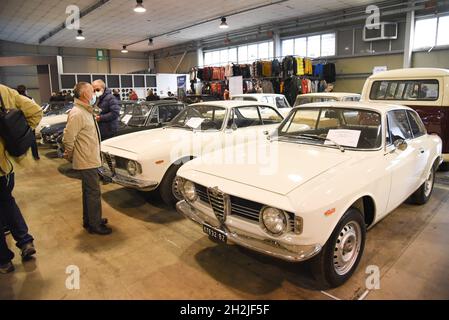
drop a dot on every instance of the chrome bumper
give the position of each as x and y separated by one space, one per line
294 253
129 182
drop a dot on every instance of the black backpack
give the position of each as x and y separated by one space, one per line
15 131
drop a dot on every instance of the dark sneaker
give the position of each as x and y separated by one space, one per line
6 268
28 251
101 230
104 222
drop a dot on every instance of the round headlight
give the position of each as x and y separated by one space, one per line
132 167
274 220
189 191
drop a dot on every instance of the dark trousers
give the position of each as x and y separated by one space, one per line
34 149
11 217
91 197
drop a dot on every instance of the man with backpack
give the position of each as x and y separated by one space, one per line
9 211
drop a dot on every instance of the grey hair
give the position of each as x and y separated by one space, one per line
100 82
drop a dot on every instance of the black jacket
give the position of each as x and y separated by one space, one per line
109 115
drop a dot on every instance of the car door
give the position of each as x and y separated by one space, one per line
422 146
401 164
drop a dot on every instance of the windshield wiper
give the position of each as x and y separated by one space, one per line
315 137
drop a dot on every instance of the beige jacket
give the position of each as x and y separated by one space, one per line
82 137
33 114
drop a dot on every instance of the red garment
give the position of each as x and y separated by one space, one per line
305 86
133 96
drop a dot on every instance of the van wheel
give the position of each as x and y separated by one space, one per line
169 187
444 167
423 194
339 258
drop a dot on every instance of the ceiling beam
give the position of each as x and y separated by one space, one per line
83 13
209 20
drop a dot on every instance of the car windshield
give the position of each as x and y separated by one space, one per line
200 117
135 114
330 127
303 100
55 108
240 98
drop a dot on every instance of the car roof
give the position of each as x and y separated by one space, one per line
329 94
230 103
411 72
374 106
258 95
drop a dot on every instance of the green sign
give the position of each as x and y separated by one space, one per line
101 55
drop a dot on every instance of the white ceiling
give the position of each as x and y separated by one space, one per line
115 23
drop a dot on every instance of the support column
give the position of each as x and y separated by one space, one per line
199 56
409 36
277 44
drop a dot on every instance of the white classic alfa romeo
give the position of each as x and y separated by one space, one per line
149 160
342 167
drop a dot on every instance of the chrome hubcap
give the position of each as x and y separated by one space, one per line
175 188
347 248
428 185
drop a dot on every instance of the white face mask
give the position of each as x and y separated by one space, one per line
99 93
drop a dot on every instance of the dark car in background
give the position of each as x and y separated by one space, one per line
56 108
134 116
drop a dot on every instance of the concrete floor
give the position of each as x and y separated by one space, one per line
154 253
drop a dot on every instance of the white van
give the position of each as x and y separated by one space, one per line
424 89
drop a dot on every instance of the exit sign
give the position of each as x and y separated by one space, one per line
101 55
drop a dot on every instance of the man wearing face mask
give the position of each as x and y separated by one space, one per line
82 148
110 110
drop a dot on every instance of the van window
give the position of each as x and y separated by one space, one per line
408 90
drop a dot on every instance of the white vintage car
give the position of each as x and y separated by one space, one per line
276 100
149 160
342 167
325 96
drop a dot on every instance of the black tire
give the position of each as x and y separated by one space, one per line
324 267
423 194
166 186
444 167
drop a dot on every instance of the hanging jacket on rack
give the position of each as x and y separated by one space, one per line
329 73
308 67
275 68
299 66
289 66
266 68
291 89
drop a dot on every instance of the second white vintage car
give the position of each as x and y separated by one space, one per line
341 168
148 160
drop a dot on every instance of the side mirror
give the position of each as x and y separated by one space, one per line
234 126
400 144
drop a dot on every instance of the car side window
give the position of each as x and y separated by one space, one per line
167 113
281 103
399 125
269 115
243 117
416 124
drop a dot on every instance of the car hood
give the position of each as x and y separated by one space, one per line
291 166
145 141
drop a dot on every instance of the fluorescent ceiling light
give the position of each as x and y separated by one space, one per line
80 36
139 8
223 24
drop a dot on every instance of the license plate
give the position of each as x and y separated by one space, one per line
215 234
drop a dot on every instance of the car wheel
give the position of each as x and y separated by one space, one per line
423 194
444 167
169 188
339 258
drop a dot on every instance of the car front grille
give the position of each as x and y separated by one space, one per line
242 208
218 203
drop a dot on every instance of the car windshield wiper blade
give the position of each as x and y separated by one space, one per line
315 137
177 125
